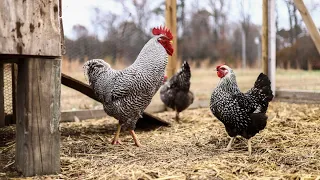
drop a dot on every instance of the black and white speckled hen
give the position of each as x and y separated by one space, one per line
242 114
175 93
126 93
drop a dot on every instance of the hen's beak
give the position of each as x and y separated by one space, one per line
171 42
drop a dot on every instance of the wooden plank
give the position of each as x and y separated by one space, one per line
313 30
272 44
171 23
265 36
14 71
146 120
30 27
38 116
298 96
2 115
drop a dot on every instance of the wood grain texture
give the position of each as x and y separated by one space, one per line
38 116
265 37
30 27
171 23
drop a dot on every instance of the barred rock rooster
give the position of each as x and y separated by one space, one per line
242 114
175 92
126 93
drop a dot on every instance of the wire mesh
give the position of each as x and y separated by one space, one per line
7 89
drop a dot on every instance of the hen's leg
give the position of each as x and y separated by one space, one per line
134 136
116 139
249 147
177 116
230 143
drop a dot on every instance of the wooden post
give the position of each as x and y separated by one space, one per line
272 44
31 32
38 116
265 36
2 116
171 23
14 71
314 32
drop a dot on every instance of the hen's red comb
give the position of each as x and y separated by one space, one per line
220 65
162 30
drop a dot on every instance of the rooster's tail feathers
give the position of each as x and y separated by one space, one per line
263 83
93 67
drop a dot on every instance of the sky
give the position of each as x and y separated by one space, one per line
81 12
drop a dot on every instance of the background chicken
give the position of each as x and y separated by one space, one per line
175 92
242 114
126 93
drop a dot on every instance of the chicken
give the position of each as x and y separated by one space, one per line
126 93
175 92
242 114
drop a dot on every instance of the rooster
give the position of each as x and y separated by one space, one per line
242 114
126 93
175 92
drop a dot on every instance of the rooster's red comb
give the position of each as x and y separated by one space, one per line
162 30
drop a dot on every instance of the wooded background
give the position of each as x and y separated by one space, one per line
204 34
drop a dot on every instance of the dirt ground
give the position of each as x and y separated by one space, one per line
289 148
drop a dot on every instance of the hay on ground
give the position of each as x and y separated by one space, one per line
289 148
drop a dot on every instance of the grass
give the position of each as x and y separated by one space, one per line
288 148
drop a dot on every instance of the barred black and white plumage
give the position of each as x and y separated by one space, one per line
175 93
126 93
242 114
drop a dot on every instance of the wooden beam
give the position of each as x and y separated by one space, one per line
265 36
303 96
171 23
38 116
14 71
2 115
272 44
313 30
30 27
146 120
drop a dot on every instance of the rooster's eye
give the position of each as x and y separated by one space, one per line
159 39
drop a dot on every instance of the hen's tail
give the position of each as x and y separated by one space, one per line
264 85
93 68
185 72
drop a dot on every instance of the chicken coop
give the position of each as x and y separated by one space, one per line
30 54
53 126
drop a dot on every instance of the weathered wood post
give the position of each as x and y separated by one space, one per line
269 41
171 23
307 19
31 36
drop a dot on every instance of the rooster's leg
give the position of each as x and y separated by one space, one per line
116 139
249 147
134 136
230 143
177 116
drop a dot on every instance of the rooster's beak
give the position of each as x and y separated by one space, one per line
171 42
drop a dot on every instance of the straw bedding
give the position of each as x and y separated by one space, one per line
289 148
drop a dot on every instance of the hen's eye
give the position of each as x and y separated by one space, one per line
223 68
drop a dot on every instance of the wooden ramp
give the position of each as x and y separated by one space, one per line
148 121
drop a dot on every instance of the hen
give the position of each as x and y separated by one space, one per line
175 92
126 93
242 114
